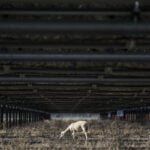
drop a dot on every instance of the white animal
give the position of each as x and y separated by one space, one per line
75 127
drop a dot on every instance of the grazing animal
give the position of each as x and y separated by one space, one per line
75 127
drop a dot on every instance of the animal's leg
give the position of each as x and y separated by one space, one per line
83 129
85 135
73 134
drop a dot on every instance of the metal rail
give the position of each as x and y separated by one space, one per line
87 80
63 12
74 57
36 27
68 44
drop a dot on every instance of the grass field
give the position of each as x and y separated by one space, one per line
106 134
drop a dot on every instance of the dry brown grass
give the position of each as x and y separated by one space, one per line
110 135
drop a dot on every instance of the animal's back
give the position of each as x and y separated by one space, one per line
82 123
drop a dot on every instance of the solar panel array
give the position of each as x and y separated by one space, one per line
75 56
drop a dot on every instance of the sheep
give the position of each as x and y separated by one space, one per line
74 127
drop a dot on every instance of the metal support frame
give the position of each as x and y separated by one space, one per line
140 114
69 27
63 12
10 27
9 117
1 116
87 80
73 57
19 116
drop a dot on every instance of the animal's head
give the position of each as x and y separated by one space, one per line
62 134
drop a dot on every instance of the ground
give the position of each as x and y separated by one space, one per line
103 134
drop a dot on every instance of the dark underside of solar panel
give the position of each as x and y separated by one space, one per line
75 56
